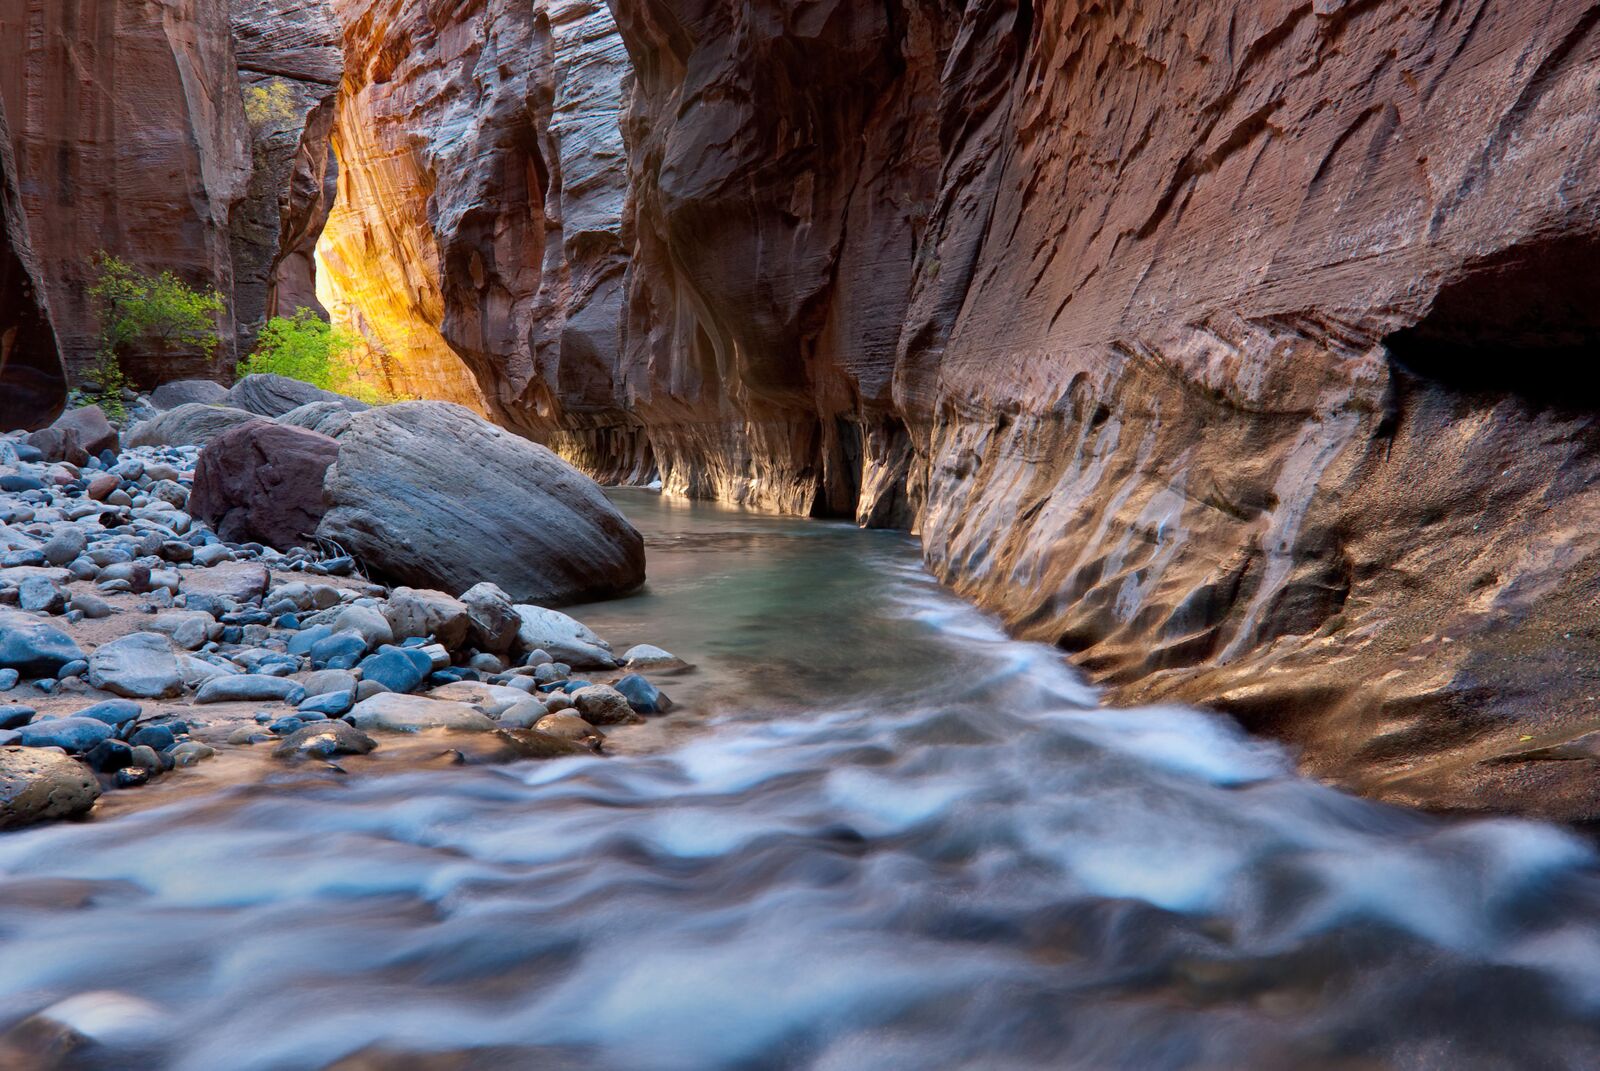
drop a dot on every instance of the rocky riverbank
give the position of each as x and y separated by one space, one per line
136 641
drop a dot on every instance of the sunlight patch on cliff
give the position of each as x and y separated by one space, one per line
377 277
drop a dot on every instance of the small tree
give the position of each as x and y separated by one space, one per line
136 310
308 348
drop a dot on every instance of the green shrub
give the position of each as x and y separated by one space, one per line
136 308
308 348
139 310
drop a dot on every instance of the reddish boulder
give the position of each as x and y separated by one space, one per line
262 482
76 436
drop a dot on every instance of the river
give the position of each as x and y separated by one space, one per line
876 834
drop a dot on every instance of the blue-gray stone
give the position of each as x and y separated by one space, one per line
13 717
73 669
342 650
399 669
328 704
112 711
9 679
643 696
33 648
302 642
159 737
69 734
286 726
109 756
249 688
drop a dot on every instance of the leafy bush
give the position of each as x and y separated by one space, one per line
136 308
308 348
271 102
139 310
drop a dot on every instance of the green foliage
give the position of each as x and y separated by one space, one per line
135 308
108 376
269 103
307 348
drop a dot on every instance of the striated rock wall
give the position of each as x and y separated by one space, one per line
1231 348
129 137
290 64
477 239
32 383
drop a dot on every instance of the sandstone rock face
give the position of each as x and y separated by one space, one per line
262 482
1227 347
130 138
430 495
477 243
290 64
32 382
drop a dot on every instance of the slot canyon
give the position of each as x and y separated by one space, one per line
1107 307
1229 354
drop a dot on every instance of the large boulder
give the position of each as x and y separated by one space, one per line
184 391
273 396
190 424
262 482
39 785
76 436
431 495
411 713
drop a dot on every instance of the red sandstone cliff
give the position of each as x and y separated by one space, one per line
32 383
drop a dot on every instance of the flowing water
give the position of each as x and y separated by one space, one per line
878 835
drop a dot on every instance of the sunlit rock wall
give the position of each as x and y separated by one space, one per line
476 242
1105 300
129 137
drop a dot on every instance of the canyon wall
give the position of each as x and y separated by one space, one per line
1235 349
476 241
129 138
188 136
32 382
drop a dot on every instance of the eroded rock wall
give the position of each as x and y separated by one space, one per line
1102 299
32 382
290 61
477 240
129 137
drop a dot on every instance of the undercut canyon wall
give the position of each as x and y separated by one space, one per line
1099 297
32 381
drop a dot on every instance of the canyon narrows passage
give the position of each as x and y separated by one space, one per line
880 835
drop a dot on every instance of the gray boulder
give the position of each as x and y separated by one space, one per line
184 391
38 786
431 495
192 424
328 418
273 396
563 638
139 666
